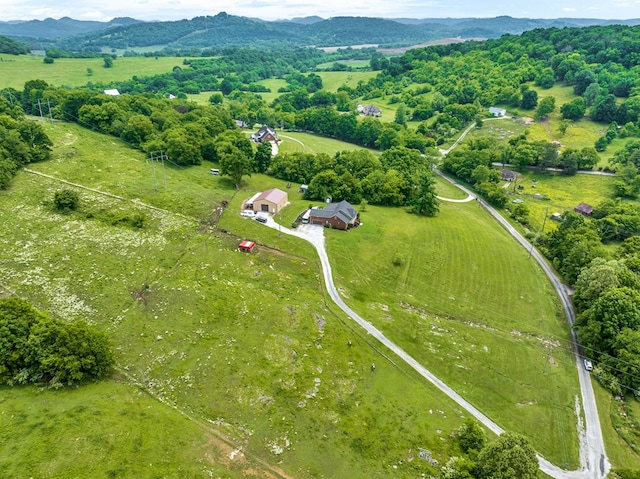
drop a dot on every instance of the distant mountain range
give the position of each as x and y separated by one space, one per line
223 29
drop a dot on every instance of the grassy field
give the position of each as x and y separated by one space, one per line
332 80
488 323
15 70
249 345
294 141
243 343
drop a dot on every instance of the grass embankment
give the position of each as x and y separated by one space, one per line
467 302
243 342
15 70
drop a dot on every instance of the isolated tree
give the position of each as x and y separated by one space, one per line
423 200
401 114
234 163
511 456
107 61
605 109
546 106
471 437
529 100
262 157
574 110
564 126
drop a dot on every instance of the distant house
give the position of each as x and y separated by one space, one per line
508 175
584 209
497 112
370 110
270 201
112 92
341 216
241 124
265 134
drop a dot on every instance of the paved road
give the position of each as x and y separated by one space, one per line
592 458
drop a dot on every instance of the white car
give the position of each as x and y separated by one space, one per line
248 213
588 365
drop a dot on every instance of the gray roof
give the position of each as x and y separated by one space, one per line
342 210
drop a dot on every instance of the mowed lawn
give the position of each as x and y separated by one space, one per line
293 141
15 70
463 298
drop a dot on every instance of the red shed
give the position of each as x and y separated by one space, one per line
246 246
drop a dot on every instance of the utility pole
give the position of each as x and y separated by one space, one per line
158 156
49 107
40 109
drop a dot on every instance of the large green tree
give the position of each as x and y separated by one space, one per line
511 456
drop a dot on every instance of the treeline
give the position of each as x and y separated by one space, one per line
13 47
473 162
22 141
36 348
607 288
399 177
238 68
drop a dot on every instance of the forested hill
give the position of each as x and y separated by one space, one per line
224 29
12 47
64 27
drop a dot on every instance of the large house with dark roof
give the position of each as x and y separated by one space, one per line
370 110
265 134
341 216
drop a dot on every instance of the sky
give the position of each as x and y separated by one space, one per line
105 10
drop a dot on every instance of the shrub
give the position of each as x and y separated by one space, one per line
66 200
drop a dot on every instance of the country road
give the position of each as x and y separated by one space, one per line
593 460
315 235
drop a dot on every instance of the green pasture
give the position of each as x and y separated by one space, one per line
108 429
15 70
618 429
293 141
246 343
559 193
463 298
351 63
332 80
251 345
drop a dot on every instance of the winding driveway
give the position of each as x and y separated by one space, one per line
594 463
593 459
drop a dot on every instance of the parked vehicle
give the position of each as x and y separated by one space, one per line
248 213
261 218
214 171
588 365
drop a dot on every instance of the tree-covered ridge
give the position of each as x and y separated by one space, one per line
13 47
223 29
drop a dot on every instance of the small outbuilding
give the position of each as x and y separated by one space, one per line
246 246
270 201
497 112
584 209
112 92
508 175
